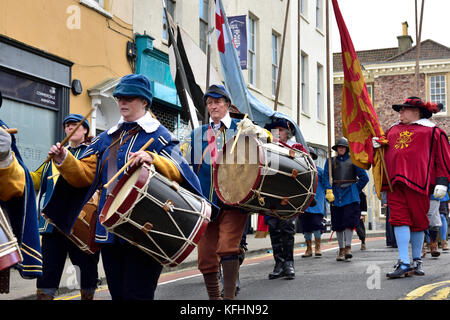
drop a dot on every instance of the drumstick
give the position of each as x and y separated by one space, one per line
237 136
53 176
145 146
11 130
66 139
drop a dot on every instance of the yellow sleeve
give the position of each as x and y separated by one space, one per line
78 173
166 167
12 181
36 176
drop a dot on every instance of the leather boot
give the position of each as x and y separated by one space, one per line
417 266
434 249
87 294
444 245
348 252
278 270
341 255
289 270
317 251
401 270
212 285
230 273
40 295
308 252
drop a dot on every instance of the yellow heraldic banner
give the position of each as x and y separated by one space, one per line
359 120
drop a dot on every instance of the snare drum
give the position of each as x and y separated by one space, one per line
156 214
9 248
83 231
268 178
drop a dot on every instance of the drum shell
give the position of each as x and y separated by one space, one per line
83 231
148 220
11 255
277 176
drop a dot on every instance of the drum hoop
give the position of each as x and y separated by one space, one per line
129 200
250 194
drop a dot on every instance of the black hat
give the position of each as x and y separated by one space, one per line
312 152
283 123
427 109
216 91
343 142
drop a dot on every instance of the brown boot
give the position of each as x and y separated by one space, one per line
348 253
341 255
87 294
317 251
434 249
40 295
212 285
230 274
308 252
444 245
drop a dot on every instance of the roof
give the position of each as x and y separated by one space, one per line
429 50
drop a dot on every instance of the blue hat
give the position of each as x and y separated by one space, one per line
283 123
216 91
134 85
74 117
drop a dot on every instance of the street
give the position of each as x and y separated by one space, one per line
363 278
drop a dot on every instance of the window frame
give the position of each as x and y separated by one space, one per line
304 73
251 48
275 60
443 96
203 24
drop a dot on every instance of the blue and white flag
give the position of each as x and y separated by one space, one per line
234 79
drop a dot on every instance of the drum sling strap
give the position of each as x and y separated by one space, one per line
111 159
212 146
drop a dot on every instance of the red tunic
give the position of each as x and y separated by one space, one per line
416 155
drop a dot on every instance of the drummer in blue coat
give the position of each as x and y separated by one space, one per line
55 245
312 220
18 202
131 273
348 181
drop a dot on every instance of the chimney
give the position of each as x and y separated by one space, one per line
405 40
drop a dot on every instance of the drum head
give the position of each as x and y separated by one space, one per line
124 194
235 175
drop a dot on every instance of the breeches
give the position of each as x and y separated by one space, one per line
408 208
345 217
221 238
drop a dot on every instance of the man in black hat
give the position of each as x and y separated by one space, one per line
348 182
417 155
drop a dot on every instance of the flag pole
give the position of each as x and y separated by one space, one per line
191 108
208 58
327 10
275 107
418 37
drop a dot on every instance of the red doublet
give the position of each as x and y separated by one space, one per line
416 155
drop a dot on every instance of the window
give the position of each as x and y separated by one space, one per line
319 14
203 14
370 91
320 93
303 7
251 51
304 82
437 90
170 4
275 40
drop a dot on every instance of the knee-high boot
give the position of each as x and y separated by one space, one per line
230 274
212 285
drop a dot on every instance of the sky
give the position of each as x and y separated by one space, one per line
375 24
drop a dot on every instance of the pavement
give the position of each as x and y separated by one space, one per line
22 289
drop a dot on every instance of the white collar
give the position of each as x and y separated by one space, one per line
225 120
147 122
423 122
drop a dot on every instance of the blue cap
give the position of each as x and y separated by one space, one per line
74 117
134 85
216 91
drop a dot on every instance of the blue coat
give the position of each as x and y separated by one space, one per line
74 199
350 194
320 194
203 167
23 216
46 187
